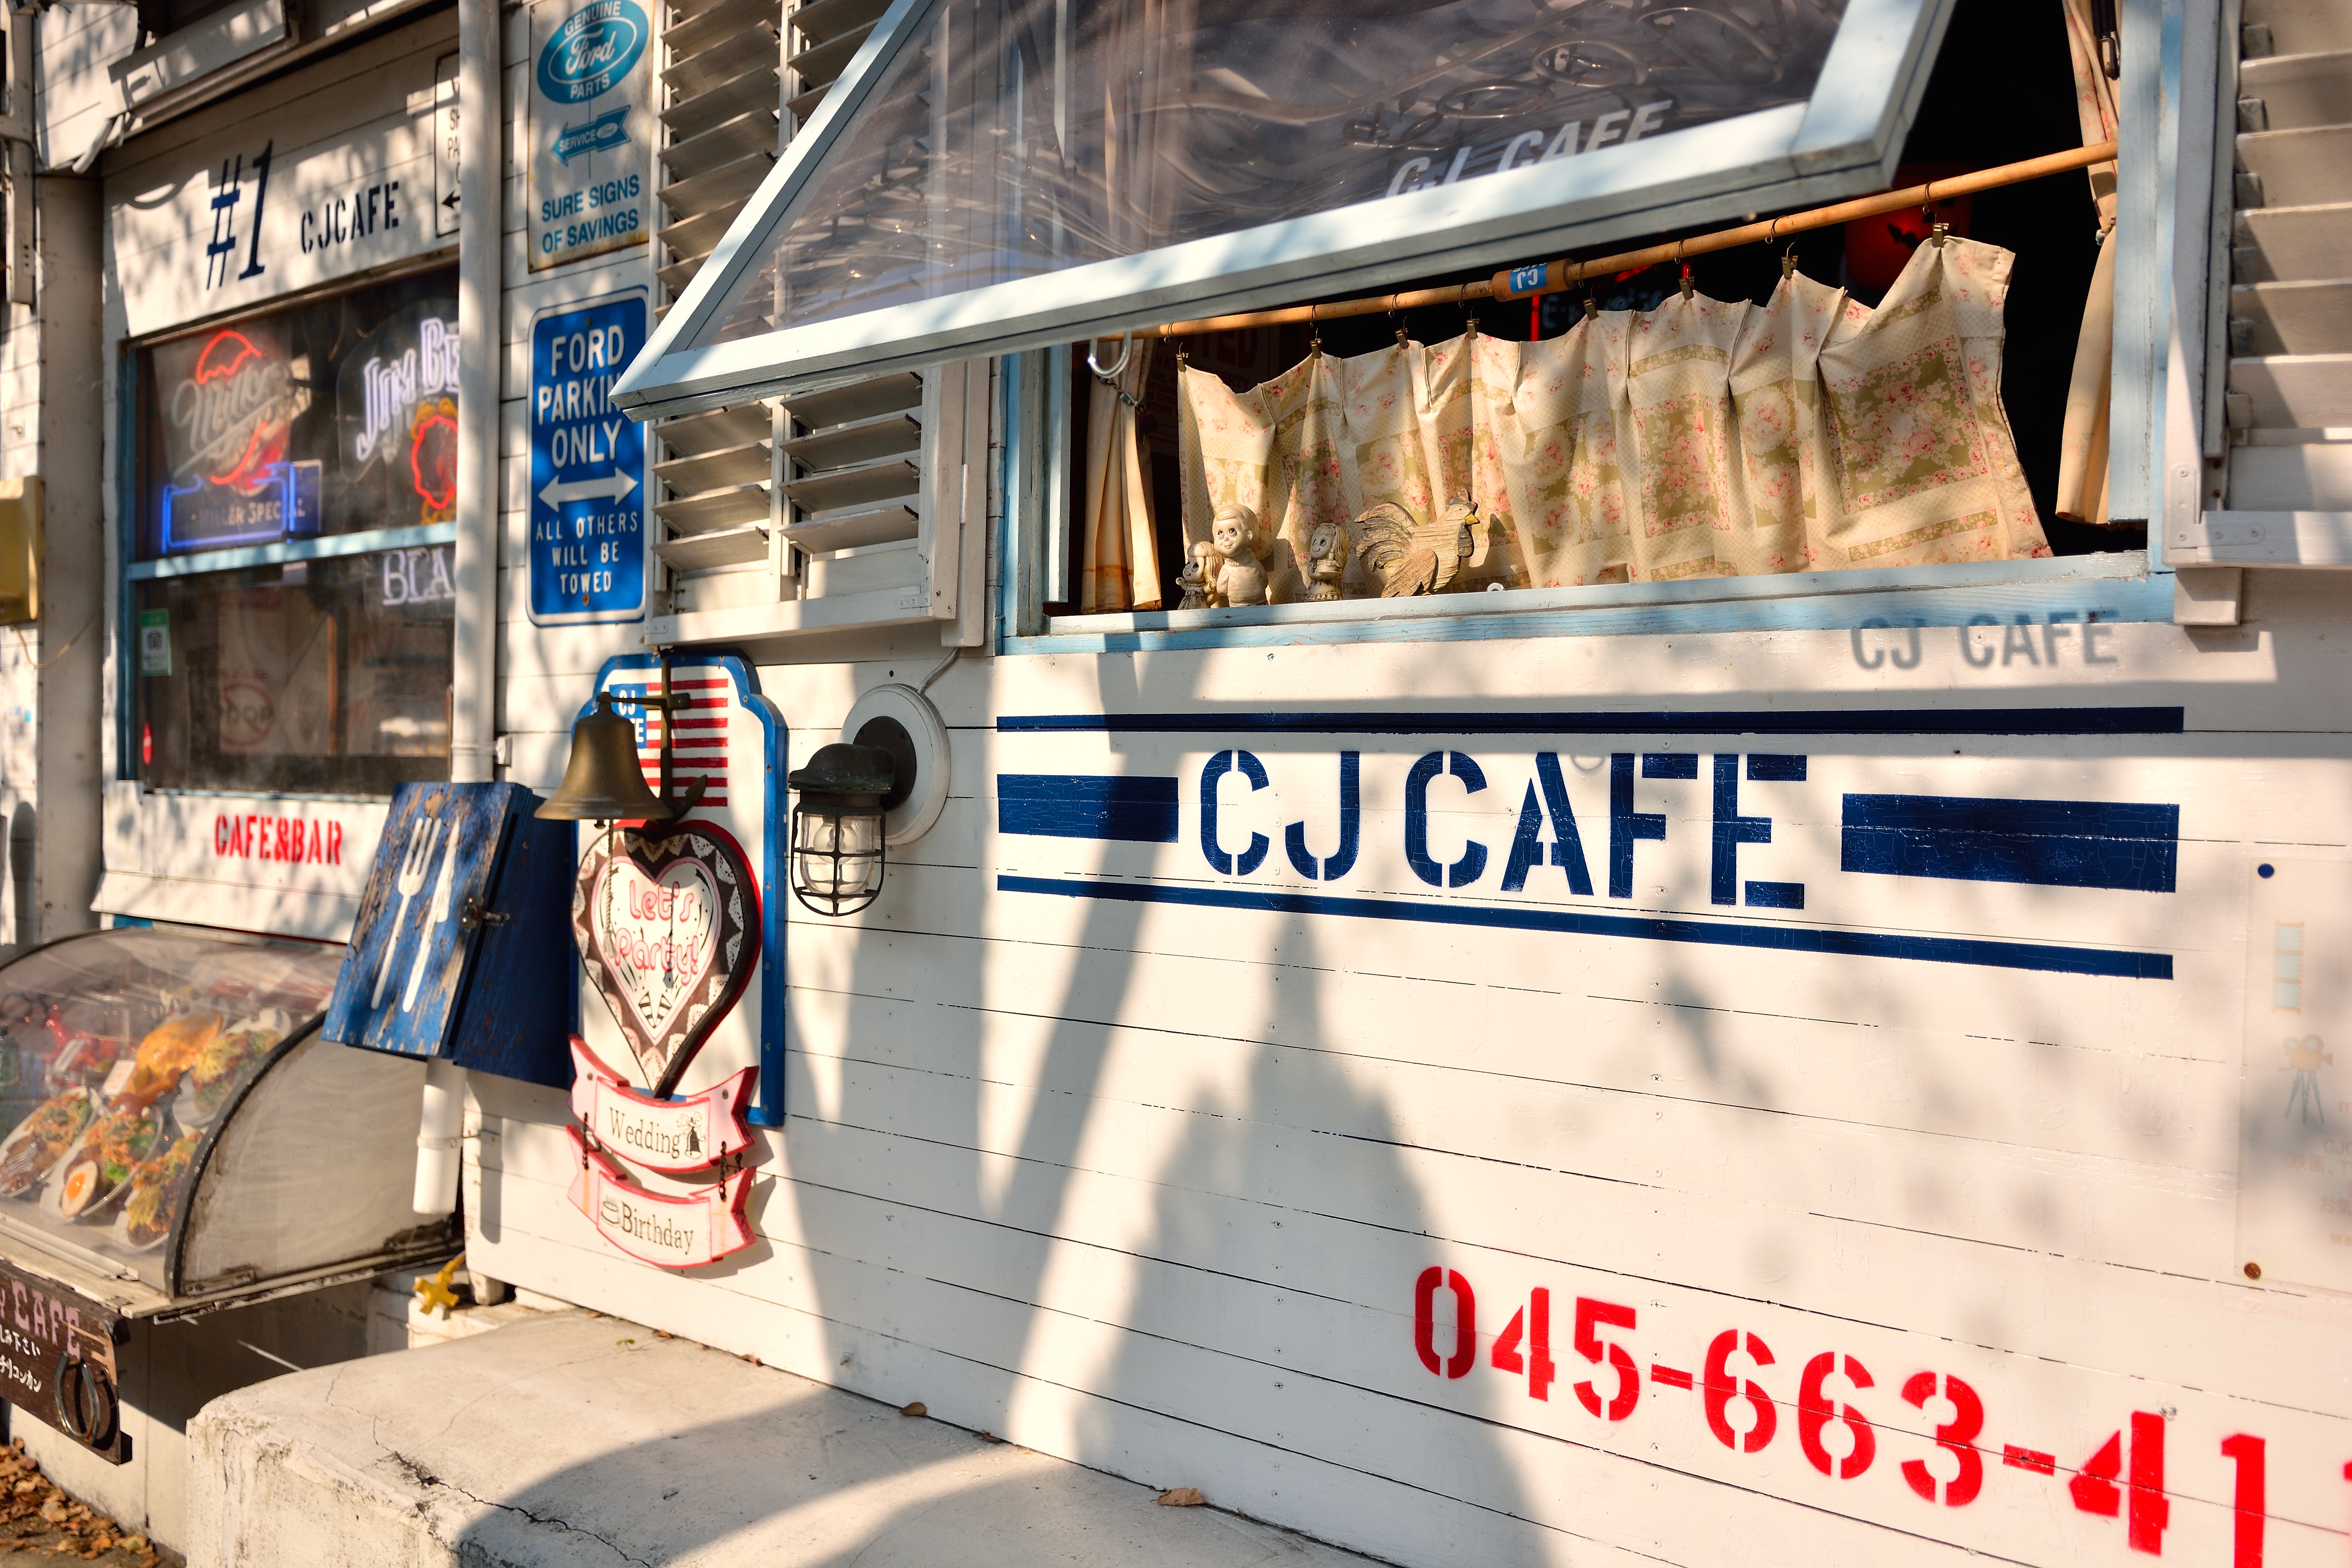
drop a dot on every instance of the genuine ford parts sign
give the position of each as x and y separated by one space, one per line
589 126
592 51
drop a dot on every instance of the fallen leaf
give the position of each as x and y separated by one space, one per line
1181 1496
135 1543
917 1408
664 1334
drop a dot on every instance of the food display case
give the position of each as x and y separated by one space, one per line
174 1137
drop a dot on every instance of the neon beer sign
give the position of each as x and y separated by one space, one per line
234 415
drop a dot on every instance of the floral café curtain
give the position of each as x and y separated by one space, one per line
1701 439
1122 562
2082 450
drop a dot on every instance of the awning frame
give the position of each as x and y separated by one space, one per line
1843 141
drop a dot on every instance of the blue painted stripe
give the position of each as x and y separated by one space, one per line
1776 895
1140 810
1722 721
2050 843
1577 922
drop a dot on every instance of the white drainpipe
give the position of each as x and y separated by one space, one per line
473 687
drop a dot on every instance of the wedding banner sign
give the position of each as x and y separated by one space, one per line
665 916
678 1136
684 1232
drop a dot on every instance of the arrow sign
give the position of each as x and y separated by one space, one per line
611 487
601 134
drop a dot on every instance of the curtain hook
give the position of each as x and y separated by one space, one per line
1183 356
1592 307
1788 264
1094 362
1686 280
1935 234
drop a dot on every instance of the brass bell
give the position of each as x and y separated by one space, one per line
604 781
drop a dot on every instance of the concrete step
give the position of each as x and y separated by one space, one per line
569 1439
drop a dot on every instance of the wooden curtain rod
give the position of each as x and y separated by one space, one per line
1559 277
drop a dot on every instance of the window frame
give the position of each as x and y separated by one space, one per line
127 502
2149 394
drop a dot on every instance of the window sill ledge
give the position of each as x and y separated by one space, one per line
1793 601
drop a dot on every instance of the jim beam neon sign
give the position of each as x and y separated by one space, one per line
664 920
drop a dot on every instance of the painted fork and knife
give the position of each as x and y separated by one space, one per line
416 867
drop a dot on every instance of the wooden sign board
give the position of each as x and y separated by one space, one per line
678 1136
50 1340
732 738
338 182
664 914
669 1230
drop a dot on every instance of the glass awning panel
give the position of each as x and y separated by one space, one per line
990 170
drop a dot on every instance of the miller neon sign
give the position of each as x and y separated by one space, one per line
235 414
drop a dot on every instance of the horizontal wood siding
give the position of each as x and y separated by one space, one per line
1152 1187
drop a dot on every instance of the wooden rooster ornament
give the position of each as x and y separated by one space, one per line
1413 557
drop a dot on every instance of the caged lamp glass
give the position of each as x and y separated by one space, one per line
837 851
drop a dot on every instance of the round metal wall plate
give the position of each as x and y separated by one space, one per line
913 816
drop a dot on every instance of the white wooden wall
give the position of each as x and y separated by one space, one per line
1151 1187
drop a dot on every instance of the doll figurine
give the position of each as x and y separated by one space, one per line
1327 559
1199 578
1242 579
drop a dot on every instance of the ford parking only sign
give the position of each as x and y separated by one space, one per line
587 466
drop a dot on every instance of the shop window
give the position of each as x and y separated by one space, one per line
292 597
1903 395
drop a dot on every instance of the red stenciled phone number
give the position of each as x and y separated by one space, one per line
2125 1476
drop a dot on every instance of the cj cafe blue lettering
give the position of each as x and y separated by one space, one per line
366 212
1546 834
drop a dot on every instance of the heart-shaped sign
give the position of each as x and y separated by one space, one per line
665 920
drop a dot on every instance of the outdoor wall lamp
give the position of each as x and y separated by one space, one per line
883 784
837 845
